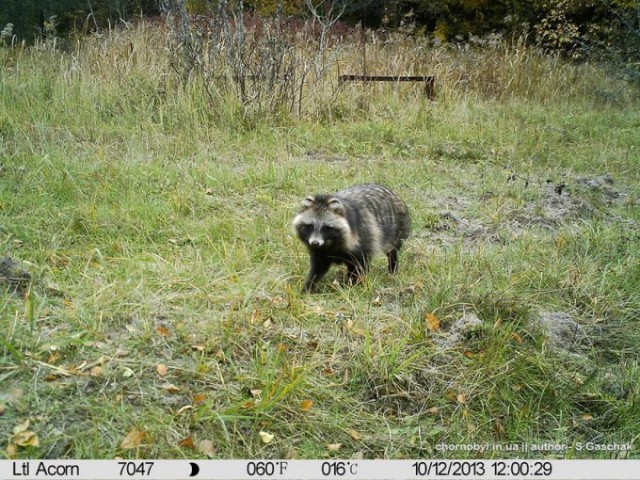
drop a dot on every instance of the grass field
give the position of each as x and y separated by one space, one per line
164 317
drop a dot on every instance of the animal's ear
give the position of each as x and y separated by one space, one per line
308 202
336 206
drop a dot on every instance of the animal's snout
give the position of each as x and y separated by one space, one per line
316 241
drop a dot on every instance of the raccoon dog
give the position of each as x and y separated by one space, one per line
350 227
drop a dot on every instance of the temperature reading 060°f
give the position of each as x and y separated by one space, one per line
266 469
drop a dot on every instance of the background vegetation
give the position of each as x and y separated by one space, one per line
151 304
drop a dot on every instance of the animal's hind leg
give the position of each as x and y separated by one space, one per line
392 256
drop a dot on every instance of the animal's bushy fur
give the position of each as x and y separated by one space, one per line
350 227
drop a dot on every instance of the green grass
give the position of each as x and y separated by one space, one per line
156 226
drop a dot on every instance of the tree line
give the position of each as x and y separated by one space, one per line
568 26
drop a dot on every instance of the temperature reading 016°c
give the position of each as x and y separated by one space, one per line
339 469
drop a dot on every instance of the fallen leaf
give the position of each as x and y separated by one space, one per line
53 358
433 410
517 338
354 434
587 417
127 372
187 443
133 439
197 348
207 448
433 322
12 450
2 409
462 398
21 427
170 387
181 410
199 398
266 437
334 447
306 405
267 323
96 371
255 393
451 395
25 438
162 331
162 369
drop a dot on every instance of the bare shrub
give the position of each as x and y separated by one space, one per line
261 62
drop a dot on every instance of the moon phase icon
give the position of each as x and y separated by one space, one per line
195 469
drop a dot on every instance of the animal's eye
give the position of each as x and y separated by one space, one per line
326 229
306 227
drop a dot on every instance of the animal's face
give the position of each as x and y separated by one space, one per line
321 224
319 235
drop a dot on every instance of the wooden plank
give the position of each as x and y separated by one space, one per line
429 81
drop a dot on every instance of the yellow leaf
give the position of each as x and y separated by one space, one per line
306 405
162 369
12 450
96 371
25 438
266 437
587 416
433 322
462 398
355 434
334 447
433 410
133 439
21 427
517 338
